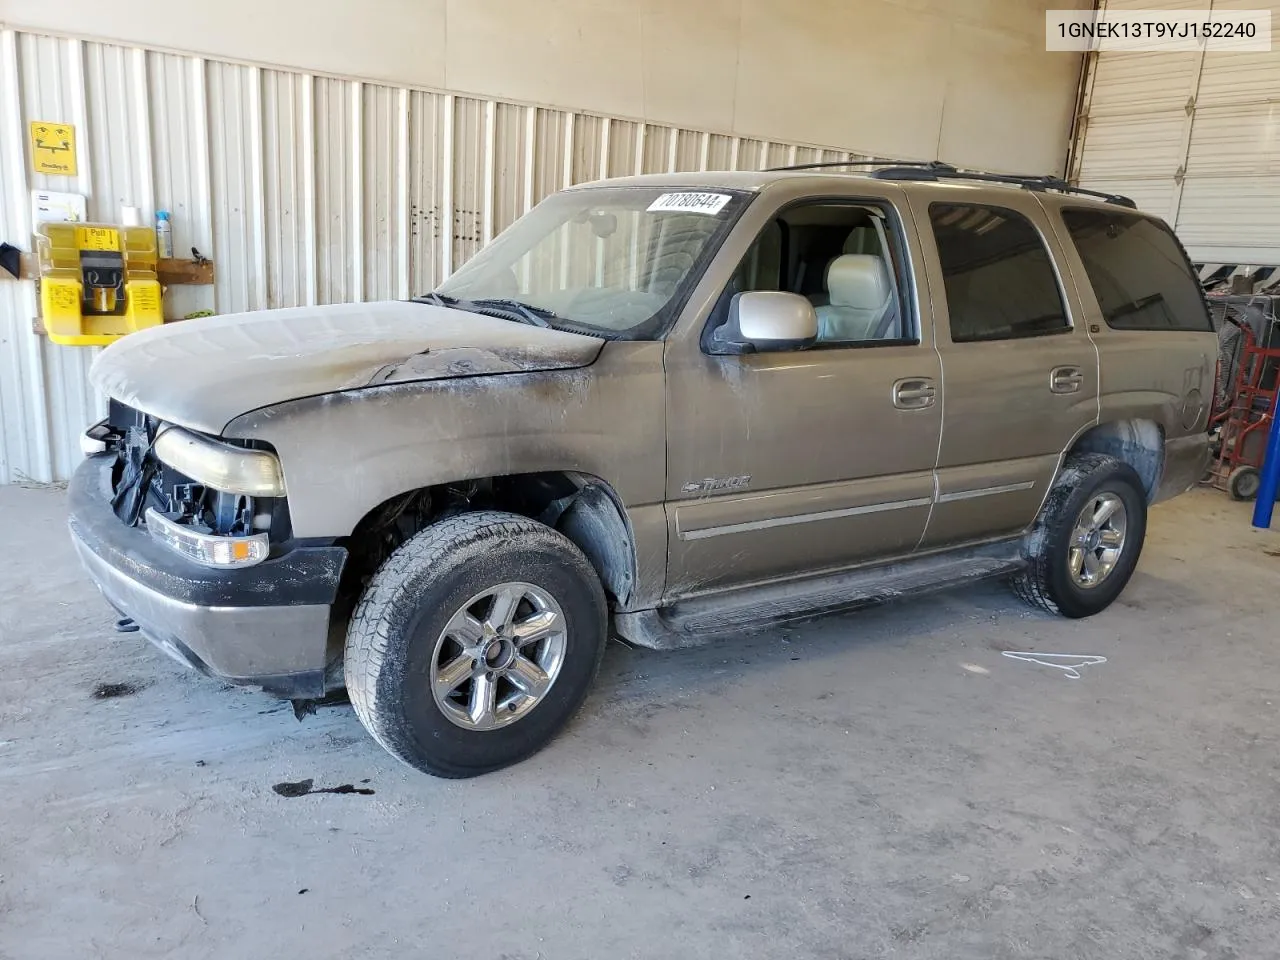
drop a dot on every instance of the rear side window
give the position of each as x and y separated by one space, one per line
1138 271
999 279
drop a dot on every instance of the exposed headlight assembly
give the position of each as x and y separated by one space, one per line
230 469
206 548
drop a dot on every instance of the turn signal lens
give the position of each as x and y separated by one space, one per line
206 548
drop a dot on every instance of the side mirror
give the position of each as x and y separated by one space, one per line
768 320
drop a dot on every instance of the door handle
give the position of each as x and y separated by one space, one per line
914 393
1065 379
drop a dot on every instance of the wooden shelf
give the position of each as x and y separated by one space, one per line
169 271
175 270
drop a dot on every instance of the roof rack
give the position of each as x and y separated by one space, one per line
1026 181
937 165
926 170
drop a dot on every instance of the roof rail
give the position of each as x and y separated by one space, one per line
923 164
926 170
1026 181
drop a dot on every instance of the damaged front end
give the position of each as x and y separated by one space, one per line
189 536
219 504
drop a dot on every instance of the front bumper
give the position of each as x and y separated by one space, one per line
265 625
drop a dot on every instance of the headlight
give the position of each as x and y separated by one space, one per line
205 548
255 473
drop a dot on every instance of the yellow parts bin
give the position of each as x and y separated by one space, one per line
97 282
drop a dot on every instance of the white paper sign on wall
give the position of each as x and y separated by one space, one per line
49 206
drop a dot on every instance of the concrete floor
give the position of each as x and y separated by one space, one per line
881 784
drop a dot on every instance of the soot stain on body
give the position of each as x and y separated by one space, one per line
303 787
109 691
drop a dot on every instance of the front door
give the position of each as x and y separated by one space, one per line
784 463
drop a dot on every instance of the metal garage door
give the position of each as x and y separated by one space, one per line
1193 137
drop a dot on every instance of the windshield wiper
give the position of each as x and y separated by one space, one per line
527 314
436 299
511 309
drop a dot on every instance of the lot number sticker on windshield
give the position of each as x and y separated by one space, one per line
709 203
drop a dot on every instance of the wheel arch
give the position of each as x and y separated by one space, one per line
583 507
1139 442
597 523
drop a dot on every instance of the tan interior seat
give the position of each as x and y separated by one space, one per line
861 296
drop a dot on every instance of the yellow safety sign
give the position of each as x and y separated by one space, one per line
53 148
97 238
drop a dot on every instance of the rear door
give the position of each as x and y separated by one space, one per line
1021 377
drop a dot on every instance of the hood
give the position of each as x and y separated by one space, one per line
204 373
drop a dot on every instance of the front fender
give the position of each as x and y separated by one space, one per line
345 453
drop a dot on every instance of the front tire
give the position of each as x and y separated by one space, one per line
474 643
1086 542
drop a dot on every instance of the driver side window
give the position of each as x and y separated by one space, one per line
843 258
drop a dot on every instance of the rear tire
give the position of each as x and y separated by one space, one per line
448 679
1086 542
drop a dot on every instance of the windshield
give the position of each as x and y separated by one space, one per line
618 261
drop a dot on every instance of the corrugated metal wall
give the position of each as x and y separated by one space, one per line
303 189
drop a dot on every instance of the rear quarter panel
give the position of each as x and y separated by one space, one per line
1163 376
